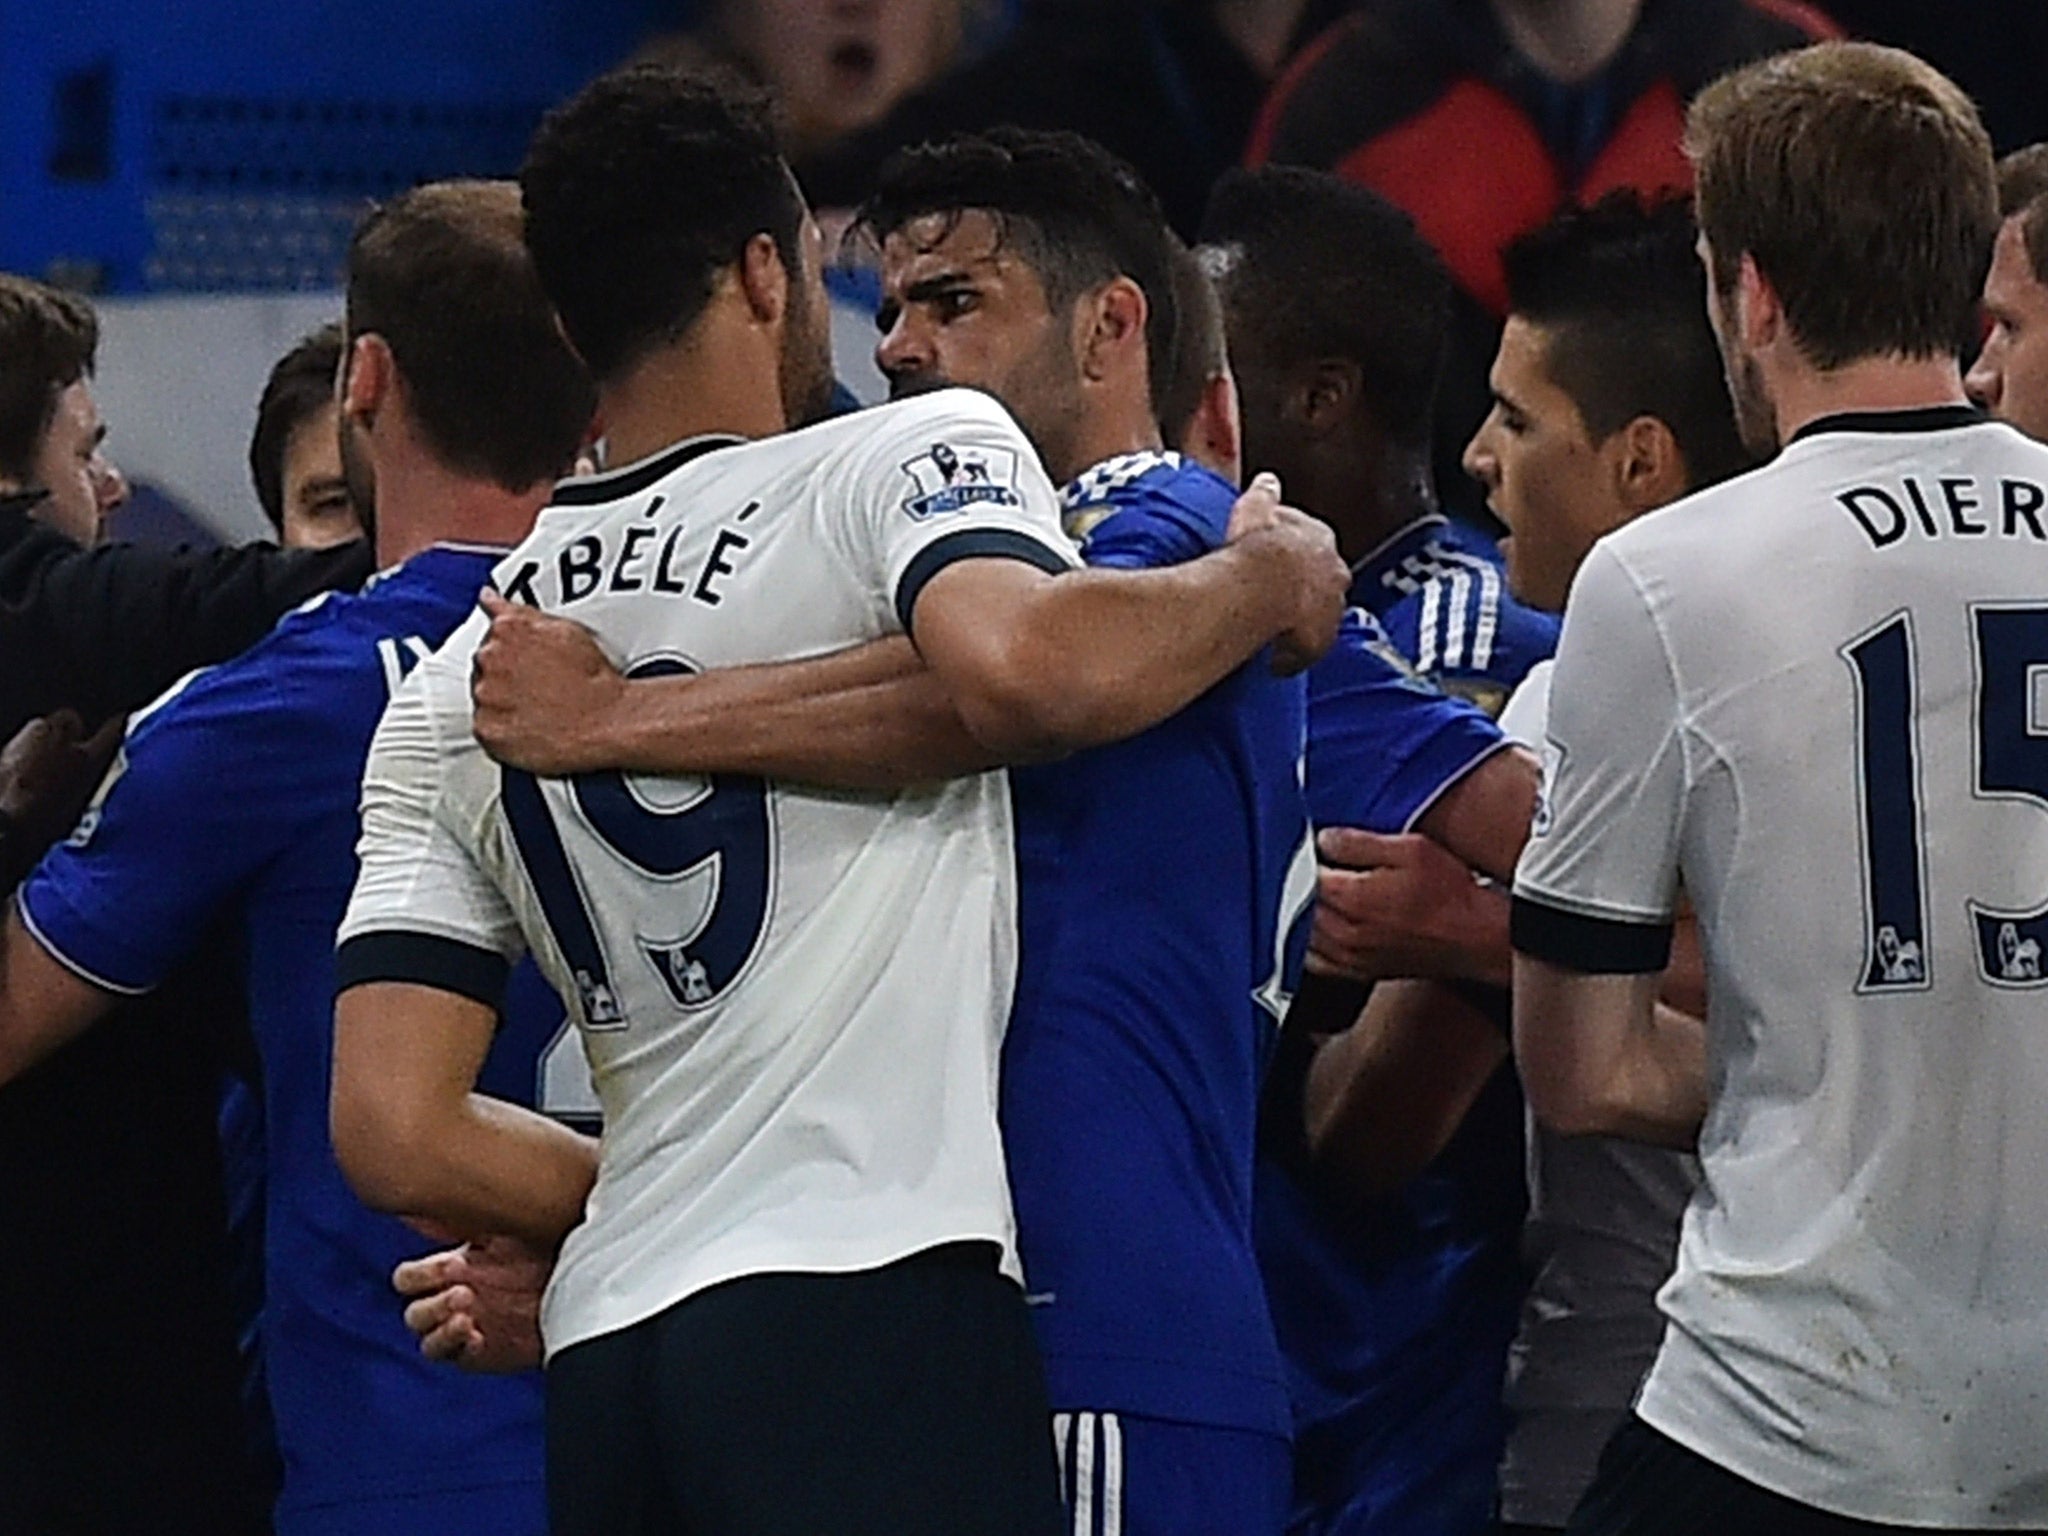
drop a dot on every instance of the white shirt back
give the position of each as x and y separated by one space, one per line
792 1000
1820 691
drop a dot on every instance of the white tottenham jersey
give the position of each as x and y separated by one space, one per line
1820 693
792 1000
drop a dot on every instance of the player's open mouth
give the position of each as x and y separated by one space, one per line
854 64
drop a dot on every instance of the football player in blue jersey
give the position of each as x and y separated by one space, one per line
1160 876
234 799
1338 314
1391 1199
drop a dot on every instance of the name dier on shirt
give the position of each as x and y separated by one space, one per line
1954 506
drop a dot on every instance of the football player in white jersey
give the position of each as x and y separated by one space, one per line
786 1309
1811 694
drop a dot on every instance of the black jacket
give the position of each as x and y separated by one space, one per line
120 1385
105 630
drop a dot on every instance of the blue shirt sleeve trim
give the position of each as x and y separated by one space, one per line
424 960
969 544
84 973
1592 946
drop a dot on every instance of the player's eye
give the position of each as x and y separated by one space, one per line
954 303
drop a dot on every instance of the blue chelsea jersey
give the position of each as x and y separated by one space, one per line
1394 1325
1439 589
237 793
1161 883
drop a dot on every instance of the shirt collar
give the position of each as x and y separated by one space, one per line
1926 418
1377 580
1094 486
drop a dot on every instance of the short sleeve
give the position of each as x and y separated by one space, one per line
424 910
198 799
948 477
1597 884
1384 744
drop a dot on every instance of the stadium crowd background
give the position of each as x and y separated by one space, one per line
205 205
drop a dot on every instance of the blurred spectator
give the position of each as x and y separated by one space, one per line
835 66
1992 48
295 453
119 1383
1170 85
1483 117
2010 377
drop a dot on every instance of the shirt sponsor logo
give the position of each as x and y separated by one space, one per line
949 480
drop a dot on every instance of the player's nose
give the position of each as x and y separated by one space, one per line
1985 382
1480 461
903 351
110 487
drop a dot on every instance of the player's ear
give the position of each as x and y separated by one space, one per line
764 280
1759 313
1330 393
369 374
1115 318
1647 464
1214 435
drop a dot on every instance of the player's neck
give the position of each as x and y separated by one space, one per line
694 388
423 504
1367 511
1109 435
1801 396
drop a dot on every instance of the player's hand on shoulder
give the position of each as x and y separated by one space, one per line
1391 906
1306 568
545 693
477 1306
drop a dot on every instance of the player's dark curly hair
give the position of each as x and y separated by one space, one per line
1621 297
639 190
1075 213
1326 269
301 385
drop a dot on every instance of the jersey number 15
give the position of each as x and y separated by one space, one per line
2010 653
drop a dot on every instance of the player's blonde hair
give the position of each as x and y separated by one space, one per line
1860 180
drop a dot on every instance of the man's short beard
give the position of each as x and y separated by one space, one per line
806 379
357 474
1756 415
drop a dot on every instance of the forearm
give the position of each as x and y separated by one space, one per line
883 733
495 1168
1659 1091
1118 652
1038 665
1386 1096
1599 1055
414 1138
